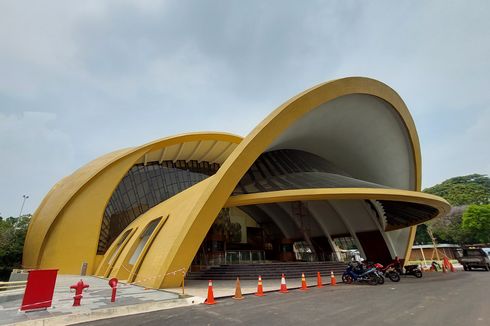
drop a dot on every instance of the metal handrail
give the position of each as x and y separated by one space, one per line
12 285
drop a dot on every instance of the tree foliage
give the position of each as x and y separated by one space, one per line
422 236
476 221
448 229
12 235
462 191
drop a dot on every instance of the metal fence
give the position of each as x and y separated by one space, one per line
5 286
236 257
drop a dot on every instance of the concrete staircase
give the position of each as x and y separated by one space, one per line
269 271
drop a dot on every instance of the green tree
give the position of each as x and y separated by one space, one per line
464 190
12 235
422 236
476 220
460 192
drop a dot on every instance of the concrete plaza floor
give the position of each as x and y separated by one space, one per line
95 303
131 299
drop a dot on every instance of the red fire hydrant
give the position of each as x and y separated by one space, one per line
113 285
79 287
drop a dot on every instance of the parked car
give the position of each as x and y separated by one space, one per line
474 258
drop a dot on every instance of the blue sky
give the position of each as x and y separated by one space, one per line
80 79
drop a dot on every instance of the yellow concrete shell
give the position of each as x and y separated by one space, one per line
338 193
192 212
64 230
185 218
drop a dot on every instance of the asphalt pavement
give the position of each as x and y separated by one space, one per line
436 299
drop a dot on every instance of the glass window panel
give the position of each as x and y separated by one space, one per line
143 240
144 187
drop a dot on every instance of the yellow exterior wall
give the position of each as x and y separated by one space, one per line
215 195
105 267
155 265
74 236
191 212
54 202
340 193
64 230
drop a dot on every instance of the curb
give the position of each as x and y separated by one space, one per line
92 315
228 296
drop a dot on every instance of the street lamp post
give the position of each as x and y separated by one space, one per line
23 202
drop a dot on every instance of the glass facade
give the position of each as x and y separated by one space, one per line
144 237
145 186
119 244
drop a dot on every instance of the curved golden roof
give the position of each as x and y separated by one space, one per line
69 188
185 218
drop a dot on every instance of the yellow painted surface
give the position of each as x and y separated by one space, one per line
53 204
215 196
191 212
340 193
64 230
112 254
148 244
73 237
155 265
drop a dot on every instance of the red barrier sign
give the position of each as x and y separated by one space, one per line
39 289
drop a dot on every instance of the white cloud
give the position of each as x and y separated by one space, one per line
103 75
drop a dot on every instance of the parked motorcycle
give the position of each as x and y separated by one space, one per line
356 272
414 270
387 271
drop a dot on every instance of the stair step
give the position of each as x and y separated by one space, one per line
268 270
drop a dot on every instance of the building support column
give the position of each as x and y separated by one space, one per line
376 221
350 228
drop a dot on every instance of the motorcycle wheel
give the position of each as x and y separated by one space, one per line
418 274
394 276
381 279
347 279
373 279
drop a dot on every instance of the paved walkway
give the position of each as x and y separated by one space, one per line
130 299
95 303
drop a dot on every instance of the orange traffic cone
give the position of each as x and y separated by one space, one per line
210 299
451 267
319 283
284 288
238 291
260 289
333 281
303 287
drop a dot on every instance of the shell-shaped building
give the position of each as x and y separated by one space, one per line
340 161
